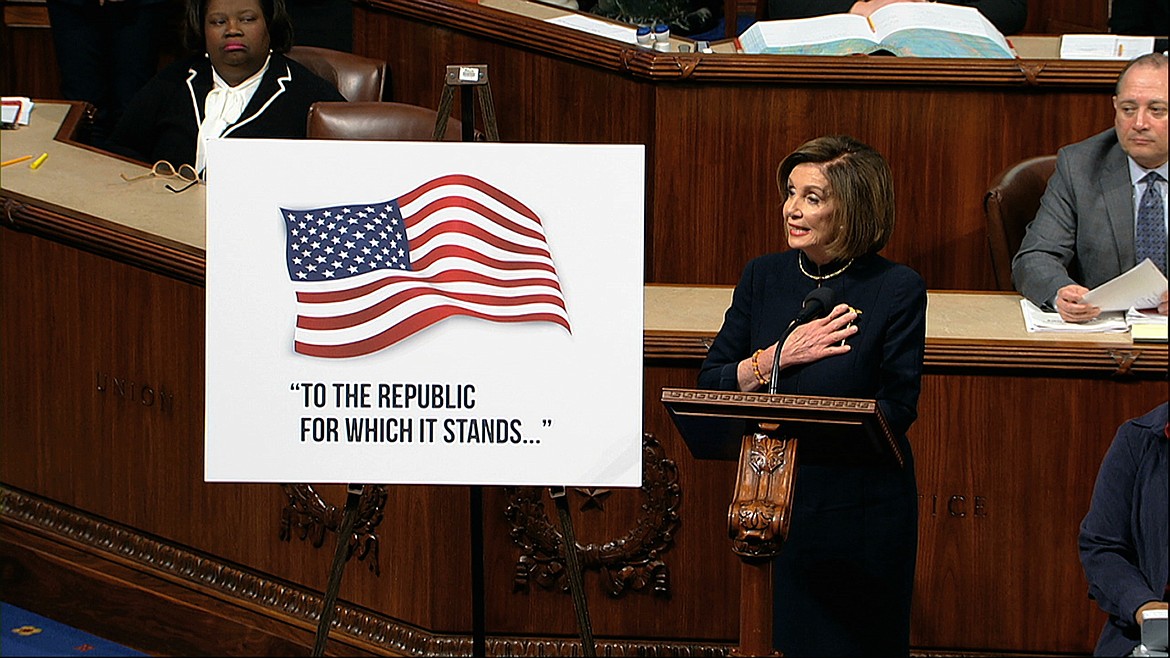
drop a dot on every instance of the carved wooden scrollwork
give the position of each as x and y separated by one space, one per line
633 561
760 513
1124 360
686 65
11 208
311 518
627 56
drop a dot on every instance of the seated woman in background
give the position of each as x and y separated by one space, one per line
1008 16
241 86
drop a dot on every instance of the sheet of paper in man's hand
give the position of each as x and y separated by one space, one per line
1141 287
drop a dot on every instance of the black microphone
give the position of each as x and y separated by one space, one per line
816 304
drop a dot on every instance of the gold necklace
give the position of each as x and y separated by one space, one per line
800 261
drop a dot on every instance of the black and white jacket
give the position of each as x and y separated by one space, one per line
162 122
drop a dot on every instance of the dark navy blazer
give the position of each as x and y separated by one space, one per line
1123 540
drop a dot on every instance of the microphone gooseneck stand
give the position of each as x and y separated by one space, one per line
815 304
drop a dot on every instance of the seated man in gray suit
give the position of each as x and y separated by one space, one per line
1105 207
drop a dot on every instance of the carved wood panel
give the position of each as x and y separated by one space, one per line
633 561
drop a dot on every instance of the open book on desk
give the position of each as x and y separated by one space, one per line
906 29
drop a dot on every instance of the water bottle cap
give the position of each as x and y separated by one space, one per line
643 29
661 27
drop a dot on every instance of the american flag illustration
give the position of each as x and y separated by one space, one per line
370 275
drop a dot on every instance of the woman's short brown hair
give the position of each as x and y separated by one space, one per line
280 29
862 189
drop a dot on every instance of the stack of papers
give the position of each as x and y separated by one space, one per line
1104 47
1038 321
1145 326
1141 287
1119 301
597 27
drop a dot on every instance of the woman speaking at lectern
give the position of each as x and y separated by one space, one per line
844 577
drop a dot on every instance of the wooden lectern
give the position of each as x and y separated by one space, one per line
768 428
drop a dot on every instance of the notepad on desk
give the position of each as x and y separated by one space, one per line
1104 47
911 29
1148 333
1037 320
1146 326
15 110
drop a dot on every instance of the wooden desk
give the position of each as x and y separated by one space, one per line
102 494
963 329
78 194
716 126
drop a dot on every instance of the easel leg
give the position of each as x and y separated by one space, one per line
464 76
444 113
478 595
473 75
329 605
573 566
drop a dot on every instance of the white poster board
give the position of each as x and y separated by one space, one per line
424 313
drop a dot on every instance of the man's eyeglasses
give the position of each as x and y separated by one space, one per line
164 169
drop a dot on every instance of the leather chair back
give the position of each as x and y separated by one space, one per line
357 78
1009 206
376 122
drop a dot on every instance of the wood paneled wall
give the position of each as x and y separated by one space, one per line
29 66
716 127
1067 16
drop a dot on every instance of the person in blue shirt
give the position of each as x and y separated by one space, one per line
1123 539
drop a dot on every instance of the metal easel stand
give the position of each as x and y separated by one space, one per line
475 75
573 567
467 75
340 556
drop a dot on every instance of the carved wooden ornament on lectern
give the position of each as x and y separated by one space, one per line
759 516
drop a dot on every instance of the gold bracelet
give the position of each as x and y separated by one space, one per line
756 368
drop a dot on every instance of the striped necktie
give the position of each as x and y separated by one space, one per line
1150 231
